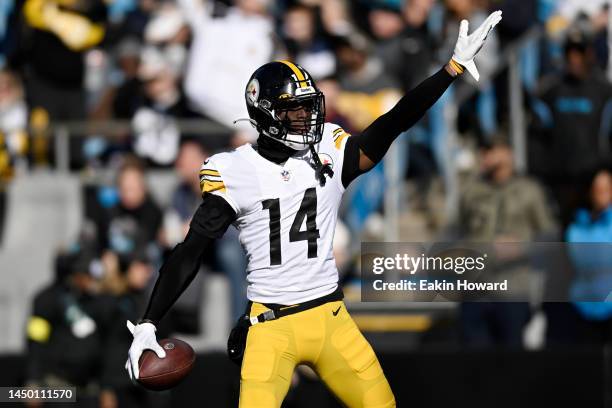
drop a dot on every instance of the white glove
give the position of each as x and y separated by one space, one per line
468 45
144 339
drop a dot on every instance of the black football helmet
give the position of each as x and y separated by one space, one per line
285 104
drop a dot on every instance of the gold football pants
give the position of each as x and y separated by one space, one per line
324 338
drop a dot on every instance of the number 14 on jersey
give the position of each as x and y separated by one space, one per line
308 210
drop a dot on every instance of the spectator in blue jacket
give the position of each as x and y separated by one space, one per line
588 320
592 263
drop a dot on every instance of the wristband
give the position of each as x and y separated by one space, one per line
455 66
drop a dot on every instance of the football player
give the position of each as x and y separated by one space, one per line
283 195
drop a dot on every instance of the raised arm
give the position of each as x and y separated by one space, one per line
364 151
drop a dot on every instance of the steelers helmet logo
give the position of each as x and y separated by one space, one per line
252 91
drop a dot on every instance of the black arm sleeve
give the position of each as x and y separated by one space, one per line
376 139
210 222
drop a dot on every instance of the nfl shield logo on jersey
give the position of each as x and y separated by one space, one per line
285 175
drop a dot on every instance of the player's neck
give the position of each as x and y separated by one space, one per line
273 150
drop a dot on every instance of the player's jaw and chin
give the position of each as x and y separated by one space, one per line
301 128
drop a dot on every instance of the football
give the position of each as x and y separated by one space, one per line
163 373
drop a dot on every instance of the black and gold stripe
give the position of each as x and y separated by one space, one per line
210 180
210 186
209 172
300 75
339 135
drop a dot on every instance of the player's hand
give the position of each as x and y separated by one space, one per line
144 339
468 45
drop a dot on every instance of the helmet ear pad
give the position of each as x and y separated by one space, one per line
273 91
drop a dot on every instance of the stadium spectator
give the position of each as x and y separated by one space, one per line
58 33
70 315
154 122
593 225
132 20
519 17
304 44
575 120
13 136
568 12
367 90
336 16
224 51
130 228
572 9
407 49
403 41
589 320
122 92
126 98
499 207
168 32
485 215
385 21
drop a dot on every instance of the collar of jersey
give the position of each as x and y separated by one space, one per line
298 156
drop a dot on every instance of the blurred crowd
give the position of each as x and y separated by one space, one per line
150 66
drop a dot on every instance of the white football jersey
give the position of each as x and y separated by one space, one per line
285 217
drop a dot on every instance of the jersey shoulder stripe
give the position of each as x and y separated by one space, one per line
210 178
338 136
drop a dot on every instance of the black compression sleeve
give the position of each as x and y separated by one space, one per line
350 168
213 217
376 139
210 222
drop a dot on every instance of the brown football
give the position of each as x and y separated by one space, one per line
163 373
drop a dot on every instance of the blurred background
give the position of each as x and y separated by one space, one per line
109 107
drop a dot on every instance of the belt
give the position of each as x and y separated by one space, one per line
278 311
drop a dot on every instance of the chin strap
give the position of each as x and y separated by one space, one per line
320 168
